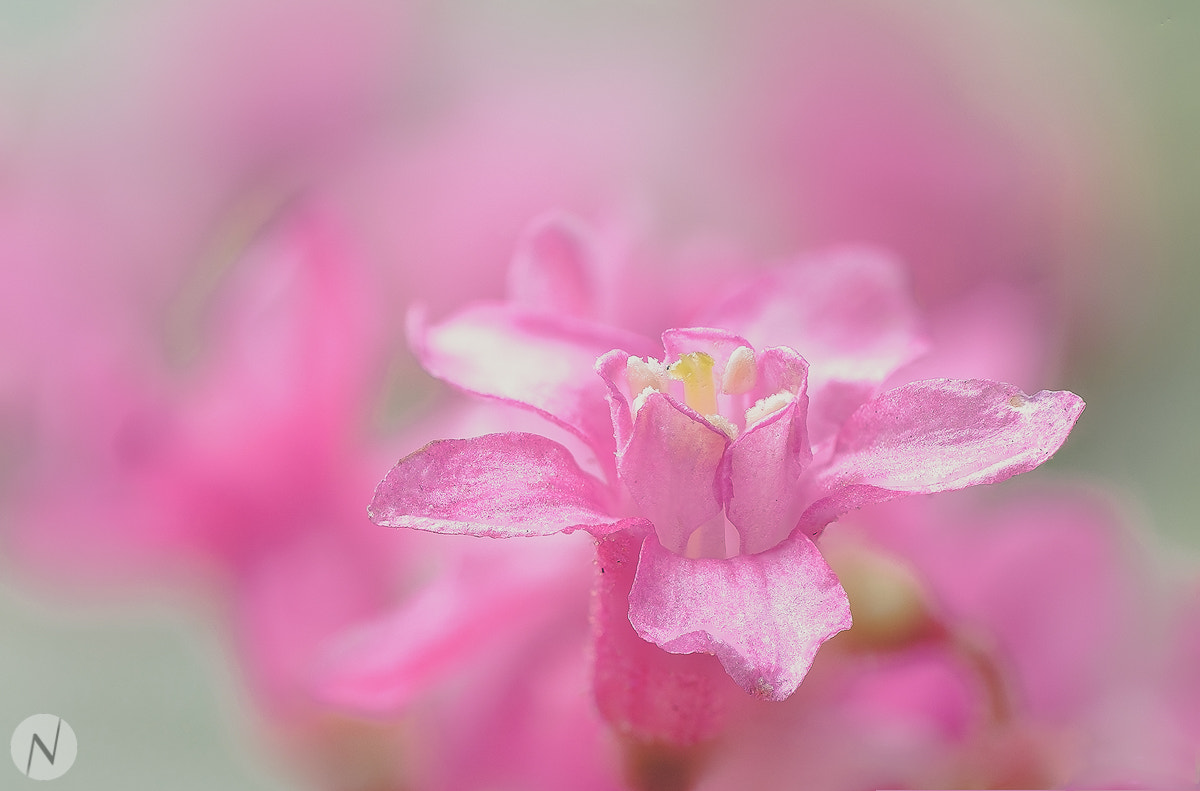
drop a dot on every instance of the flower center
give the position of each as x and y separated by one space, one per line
725 405
695 370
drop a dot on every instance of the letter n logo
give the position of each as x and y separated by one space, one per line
44 747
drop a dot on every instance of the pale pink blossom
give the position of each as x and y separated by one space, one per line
999 644
198 366
863 123
242 475
245 469
1007 644
489 658
895 127
709 462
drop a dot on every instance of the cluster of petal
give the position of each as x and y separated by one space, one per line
685 472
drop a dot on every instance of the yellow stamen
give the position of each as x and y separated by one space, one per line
695 370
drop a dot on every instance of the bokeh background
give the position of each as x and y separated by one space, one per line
142 144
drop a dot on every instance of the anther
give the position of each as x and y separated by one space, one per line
741 372
695 370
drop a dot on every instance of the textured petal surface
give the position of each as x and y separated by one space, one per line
764 468
641 690
935 436
611 368
781 368
764 616
670 467
542 362
498 485
764 464
847 311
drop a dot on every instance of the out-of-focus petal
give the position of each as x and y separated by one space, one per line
871 133
764 616
252 446
477 604
1188 662
552 266
994 333
935 436
670 467
498 485
537 360
847 311
290 601
522 715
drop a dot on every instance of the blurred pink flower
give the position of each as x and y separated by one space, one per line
241 473
995 645
894 127
250 468
1184 663
259 473
715 480
489 658
999 645
195 358
145 166
867 128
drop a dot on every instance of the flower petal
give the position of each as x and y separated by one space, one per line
611 368
848 311
470 609
764 468
531 359
498 485
671 466
765 463
552 266
642 691
717 344
781 368
938 435
764 616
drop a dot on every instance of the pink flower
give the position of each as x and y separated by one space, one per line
720 463
1055 592
857 122
1001 645
245 469
489 658
865 127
